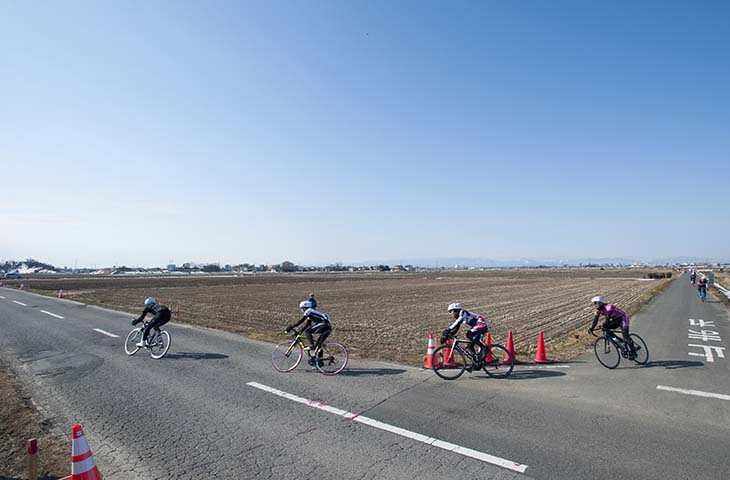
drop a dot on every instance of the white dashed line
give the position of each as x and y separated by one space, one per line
467 452
2 297
106 333
52 314
20 303
697 393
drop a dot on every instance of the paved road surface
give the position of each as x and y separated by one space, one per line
195 413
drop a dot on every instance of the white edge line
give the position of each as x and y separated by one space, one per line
20 303
698 393
106 333
467 452
2 297
52 314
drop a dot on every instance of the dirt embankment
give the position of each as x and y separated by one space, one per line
19 422
385 316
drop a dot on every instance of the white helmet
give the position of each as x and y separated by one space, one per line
598 299
454 306
306 304
150 301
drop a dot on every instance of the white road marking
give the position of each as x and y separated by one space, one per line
52 314
467 452
697 393
2 297
106 333
20 303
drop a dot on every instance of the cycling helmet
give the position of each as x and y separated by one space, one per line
306 304
454 306
149 301
598 299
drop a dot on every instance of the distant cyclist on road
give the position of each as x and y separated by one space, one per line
161 316
615 318
316 323
693 277
702 287
478 324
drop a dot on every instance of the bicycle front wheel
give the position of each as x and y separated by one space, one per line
607 352
331 358
130 343
286 356
160 345
642 351
500 364
448 363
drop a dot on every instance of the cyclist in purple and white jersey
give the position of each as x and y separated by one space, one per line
615 318
478 324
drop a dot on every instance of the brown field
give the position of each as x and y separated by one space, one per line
385 316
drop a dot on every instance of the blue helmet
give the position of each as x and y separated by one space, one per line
150 301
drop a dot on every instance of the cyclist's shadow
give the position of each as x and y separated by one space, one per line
672 364
360 372
196 356
534 374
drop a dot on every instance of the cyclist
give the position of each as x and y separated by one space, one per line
615 318
316 322
478 324
702 287
692 277
161 316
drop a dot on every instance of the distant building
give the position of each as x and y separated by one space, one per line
172 267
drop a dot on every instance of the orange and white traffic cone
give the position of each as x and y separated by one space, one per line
449 355
21 286
60 293
83 466
510 348
540 355
488 342
429 361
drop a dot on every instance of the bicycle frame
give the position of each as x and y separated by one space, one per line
456 344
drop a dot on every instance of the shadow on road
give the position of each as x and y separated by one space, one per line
534 374
672 364
361 372
196 356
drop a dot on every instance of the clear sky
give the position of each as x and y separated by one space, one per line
138 132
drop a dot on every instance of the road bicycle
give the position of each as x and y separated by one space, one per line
158 341
329 359
703 294
609 348
450 360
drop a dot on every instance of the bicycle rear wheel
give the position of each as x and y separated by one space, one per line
331 358
448 363
642 351
501 363
286 356
607 352
130 343
159 344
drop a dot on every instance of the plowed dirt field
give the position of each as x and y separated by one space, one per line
385 316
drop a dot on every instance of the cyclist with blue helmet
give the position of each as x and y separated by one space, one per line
161 315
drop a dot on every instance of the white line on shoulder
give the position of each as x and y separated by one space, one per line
106 333
697 393
52 314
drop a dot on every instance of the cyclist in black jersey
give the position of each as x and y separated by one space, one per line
161 316
316 323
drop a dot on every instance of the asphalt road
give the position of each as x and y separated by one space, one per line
196 412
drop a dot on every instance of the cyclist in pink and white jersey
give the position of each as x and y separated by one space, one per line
615 318
478 324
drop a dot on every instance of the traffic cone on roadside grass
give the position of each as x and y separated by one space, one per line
429 361
60 293
510 348
449 357
83 466
540 355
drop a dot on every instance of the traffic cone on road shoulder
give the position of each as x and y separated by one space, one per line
21 286
540 355
429 361
510 348
83 466
449 357
60 293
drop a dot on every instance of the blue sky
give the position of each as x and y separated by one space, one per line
142 132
